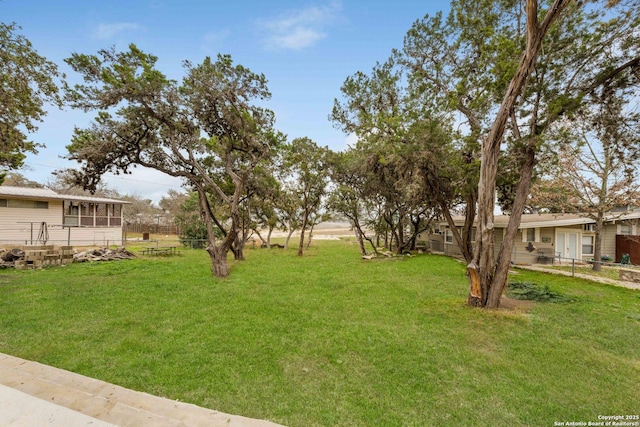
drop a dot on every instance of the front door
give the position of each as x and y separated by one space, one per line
567 244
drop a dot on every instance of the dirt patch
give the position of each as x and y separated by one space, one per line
513 304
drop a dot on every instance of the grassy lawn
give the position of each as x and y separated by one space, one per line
330 339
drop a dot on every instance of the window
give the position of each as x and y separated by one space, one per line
86 214
587 245
624 229
102 218
71 210
448 236
92 214
530 235
24 204
115 215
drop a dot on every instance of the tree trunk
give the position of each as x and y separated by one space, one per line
310 239
239 233
358 234
264 242
238 253
302 231
217 252
219 265
464 248
400 234
286 242
487 277
597 243
269 237
469 218
504 255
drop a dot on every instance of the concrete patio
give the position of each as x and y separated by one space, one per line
34 395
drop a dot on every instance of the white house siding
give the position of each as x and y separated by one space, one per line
15 228
14 222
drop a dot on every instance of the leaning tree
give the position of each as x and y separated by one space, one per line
209 130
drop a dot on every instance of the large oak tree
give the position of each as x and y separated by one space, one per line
209 130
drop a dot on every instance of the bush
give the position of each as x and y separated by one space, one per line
533 292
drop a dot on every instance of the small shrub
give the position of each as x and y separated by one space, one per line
533 292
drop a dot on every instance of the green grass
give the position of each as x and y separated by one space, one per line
329 339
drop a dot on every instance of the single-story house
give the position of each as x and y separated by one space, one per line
33 216
544 238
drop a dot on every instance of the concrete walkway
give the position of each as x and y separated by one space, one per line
34 395
621 283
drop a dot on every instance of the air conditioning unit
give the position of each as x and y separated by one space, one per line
589 227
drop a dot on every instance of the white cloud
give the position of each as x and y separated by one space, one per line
298 29
109 31
298 38
143 182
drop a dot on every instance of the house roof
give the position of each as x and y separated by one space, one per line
48 194
556 219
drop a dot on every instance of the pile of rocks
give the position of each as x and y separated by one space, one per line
103 254
33 257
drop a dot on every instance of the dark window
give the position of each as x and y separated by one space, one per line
27 204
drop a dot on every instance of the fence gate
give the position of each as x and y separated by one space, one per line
628 245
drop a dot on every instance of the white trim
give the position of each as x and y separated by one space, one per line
593 243
578 242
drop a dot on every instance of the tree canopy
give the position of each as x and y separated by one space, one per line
506 73
28 83
209 130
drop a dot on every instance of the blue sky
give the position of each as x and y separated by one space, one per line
306 49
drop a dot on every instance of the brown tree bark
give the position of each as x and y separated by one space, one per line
219 265
597 242
302 231
217 251
504 255
358 233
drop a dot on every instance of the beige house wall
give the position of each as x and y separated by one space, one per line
609 240
16 228
545 240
